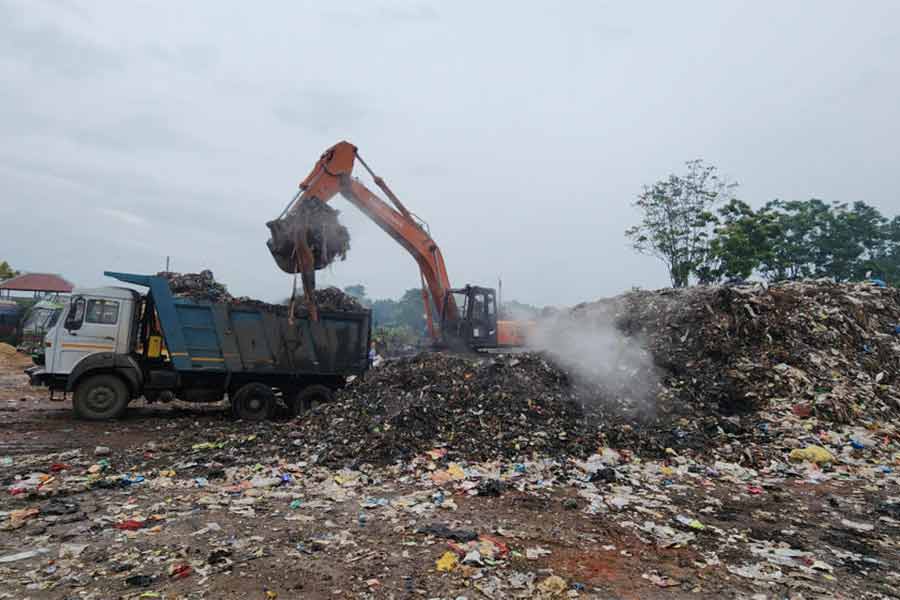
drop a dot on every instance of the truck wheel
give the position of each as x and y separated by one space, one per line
100 397
310 397
254 402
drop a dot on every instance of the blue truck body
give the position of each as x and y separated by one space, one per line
209 337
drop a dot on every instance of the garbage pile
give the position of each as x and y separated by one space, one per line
311 222
831 347
333 299
472 407
734 361
196 286
740 365
327 299
203 286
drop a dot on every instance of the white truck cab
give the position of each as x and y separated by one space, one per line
95 320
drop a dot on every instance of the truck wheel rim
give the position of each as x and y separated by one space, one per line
101 398
254 405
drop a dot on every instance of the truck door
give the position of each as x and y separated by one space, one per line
91 325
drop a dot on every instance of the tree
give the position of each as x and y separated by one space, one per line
6 271
677 219
742 242
384 312
818 239
411 310
800 225
358 291
886 264
851 237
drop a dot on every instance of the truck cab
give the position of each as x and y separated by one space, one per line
95 320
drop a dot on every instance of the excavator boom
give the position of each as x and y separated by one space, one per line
332 175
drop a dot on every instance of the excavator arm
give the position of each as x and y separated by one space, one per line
332 175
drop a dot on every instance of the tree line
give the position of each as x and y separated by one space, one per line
399 321
695 223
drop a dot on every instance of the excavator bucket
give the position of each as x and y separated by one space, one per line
309 226
307 237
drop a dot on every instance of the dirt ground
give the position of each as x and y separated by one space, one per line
187 503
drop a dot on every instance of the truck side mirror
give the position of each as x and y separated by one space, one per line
75 318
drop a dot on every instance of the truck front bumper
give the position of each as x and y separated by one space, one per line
36 375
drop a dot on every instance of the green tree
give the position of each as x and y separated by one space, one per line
411 310
794 253
743 241
384 313
851 237
884 261
358 291
677 219
819 239
7 271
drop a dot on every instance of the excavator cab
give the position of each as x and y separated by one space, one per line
474 322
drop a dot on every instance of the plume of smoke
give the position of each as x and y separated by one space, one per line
609 367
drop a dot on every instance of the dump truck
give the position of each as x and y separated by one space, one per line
112 345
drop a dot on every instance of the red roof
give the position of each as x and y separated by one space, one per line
37 282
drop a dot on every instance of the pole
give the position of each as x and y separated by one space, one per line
167 264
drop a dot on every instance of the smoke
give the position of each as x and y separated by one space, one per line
607 366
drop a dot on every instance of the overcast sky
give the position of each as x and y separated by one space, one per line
520 131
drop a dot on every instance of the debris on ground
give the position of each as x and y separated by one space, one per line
766 466
477 408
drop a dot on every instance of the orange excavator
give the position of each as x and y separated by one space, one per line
468 315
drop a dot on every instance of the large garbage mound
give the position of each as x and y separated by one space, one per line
473 407
831 347
314 223
727 365
743 364
203 286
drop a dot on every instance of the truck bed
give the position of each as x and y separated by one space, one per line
203 336
245 338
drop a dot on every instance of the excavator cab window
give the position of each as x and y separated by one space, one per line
479 307
481 319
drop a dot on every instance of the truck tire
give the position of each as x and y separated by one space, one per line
100 397
310 397
254 402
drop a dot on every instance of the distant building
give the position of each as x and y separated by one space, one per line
40 284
